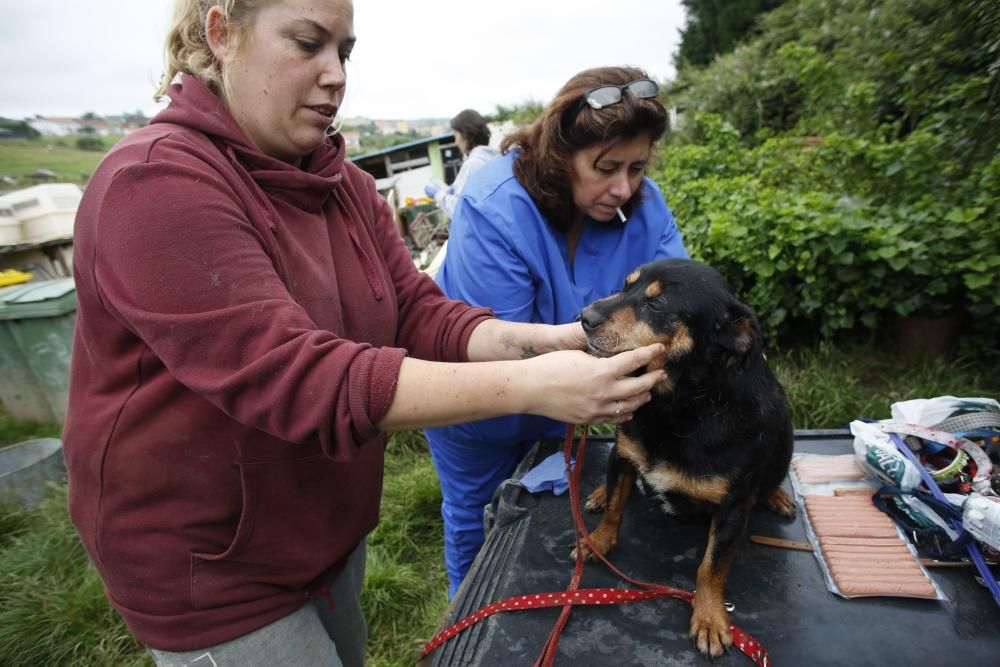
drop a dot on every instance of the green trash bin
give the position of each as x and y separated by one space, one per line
36 337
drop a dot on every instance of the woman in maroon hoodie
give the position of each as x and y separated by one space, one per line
249 326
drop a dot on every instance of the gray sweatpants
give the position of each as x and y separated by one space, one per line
313 636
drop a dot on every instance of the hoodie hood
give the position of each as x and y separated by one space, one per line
194 106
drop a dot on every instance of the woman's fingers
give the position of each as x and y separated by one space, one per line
629 393
578 388
626 362
623 409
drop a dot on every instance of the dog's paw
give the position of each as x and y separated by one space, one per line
597 500
583 552
781 502
710 630
603 540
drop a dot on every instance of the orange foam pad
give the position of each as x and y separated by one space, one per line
823 469
863 550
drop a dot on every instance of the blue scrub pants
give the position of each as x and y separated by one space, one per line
469 473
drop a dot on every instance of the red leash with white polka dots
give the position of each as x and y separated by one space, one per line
574 596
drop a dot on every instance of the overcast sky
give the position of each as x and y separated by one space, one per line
414 58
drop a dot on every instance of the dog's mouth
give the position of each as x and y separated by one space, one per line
597 350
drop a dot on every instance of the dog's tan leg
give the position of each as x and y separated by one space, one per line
605 536
710 620
780 502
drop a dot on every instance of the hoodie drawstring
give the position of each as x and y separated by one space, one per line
350 213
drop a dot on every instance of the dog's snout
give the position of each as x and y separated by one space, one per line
591 319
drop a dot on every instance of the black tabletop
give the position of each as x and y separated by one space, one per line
779 595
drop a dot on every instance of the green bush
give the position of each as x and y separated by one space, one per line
870 68
828 235
90 143
843 166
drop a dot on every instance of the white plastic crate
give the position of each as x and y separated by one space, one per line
45 211
10 226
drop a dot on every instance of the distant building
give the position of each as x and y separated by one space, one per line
391 126
438 152
358 121
435 157
125 124
352 139
55 126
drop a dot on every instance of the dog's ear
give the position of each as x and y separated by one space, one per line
738 332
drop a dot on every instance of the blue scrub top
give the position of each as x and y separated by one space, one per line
502 254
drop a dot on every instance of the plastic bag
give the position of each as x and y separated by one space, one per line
879 458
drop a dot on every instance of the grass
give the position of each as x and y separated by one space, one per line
20 157
828 387
54 612
12 430
406 587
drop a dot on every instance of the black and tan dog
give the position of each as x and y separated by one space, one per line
715 438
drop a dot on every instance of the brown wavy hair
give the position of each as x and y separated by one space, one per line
547 146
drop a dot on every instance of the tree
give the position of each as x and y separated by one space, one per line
19 129
524 113
137 118
715 26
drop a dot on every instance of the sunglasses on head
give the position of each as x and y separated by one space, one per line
605 96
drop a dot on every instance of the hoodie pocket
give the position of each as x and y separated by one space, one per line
299 517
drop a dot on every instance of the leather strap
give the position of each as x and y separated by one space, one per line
795 545
781 543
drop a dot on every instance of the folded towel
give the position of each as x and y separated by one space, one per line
548 475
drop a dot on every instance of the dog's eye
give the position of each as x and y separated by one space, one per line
655 305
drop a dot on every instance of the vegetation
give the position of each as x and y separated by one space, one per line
90 143
371 142
818 236
715 26
17 129
60 155
524 113
843 167
879 69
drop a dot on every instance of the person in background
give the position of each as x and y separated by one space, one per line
249 326
556 223
472 136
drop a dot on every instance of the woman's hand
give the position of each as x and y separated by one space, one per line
569 386
577 388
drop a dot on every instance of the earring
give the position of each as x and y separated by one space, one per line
334 129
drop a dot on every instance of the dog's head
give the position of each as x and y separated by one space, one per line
685 305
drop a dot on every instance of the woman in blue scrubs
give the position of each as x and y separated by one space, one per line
555 223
